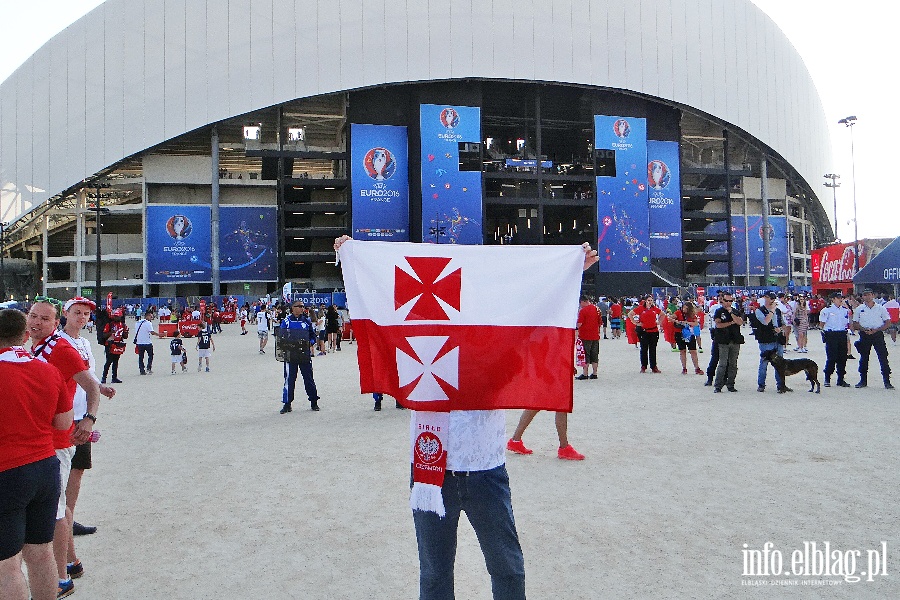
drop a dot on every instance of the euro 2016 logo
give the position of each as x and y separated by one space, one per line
179 227
621 128
428 448
449 118
658 174
380 164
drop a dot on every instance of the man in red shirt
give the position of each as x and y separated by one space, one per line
48 345
816 304
34 403
589 333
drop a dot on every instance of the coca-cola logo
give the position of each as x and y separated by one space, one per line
834 268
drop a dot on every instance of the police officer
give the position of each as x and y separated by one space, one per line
297 338
834 321
871 319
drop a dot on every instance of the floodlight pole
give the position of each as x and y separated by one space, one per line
834 185
850 122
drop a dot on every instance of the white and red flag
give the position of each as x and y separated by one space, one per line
447 327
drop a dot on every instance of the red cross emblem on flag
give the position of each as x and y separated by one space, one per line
424 286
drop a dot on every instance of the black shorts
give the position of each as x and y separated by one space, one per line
28 498
82 458
686 345
591 351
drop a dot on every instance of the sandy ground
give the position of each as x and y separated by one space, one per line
202 490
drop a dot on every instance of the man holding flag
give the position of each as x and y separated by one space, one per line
436 331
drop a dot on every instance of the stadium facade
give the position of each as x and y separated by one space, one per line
224 144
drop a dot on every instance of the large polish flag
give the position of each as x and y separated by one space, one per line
446 327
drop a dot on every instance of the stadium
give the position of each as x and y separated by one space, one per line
220 147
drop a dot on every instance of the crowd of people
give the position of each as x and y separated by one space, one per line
771 318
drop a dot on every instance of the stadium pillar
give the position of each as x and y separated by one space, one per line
214 213
764 189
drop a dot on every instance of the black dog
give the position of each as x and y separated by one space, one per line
786 367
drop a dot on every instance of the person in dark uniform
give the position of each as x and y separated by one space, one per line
834 321
296 337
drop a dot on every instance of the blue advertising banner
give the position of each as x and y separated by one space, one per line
664 183
778 254
451 198
178 244
248 242
380 182
623 215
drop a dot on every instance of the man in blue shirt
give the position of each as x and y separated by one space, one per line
297 337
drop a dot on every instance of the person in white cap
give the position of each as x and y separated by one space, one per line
86 405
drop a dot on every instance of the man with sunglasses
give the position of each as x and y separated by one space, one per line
728 321
297 337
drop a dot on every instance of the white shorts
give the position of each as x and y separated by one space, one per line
176 360
65 467
204 352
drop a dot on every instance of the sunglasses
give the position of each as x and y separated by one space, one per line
57 304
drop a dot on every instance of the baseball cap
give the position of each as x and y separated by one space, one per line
868 291
836 295
772 295
79 300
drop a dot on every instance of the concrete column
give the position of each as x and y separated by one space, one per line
45 272
80 234
767 263
214 213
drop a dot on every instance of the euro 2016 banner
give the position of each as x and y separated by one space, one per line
751 229
178 244
664 188
453 327
623 216
380 182
451 198
248 242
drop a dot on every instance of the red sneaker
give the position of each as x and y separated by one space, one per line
569 453
517 446
655 370
684 371
643 369
699 372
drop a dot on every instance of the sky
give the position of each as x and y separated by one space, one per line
848 48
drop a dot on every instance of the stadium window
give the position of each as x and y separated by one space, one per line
605 161
469 156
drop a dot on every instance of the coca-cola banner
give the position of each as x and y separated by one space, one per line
836 264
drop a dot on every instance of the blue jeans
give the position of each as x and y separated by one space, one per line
148 350
485 497
763 365
290 380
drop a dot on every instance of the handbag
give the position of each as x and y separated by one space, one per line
118 347
136 349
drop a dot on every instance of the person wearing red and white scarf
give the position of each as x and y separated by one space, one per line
35 404
469 476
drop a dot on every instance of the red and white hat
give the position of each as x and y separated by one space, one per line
80 300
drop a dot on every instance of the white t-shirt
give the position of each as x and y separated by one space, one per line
142 331
164 312
262 321
476 440
79 404
195 315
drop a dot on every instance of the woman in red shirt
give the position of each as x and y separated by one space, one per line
686 319
648 319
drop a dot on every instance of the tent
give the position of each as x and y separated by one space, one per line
884 269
